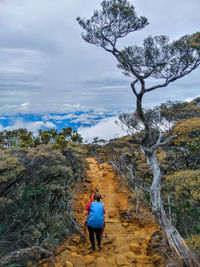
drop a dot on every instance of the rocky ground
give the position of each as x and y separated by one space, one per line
129 239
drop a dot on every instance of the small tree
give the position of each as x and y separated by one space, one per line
157 59
45 136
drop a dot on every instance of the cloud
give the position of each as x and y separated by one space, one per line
106 129
59 117
37 108
189 99
30 126
88 118
45 62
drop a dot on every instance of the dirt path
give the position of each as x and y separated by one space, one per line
128 236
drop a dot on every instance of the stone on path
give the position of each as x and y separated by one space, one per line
68 264
89 259
135 248
100 262
121 260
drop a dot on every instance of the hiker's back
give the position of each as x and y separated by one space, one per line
96 218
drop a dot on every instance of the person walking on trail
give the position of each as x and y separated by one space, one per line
96 193
95 221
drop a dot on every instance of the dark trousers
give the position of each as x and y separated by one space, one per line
97 231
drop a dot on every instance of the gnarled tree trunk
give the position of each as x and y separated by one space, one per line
176 242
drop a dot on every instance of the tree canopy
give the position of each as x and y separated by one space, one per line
157 58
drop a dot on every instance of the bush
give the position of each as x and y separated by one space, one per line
194 243
183 187
36 195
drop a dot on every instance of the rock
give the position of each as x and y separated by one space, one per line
121 260
86 251
129 238
111 220
75 255
130 255
135 248
157 260
100 262
88 259
111 260
68 264
122 250
111 215
88 180
71 248
77 259
108 241
104 174
158 244
125 224
76 239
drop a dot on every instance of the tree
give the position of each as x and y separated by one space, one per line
157 59
54 134
76 137
67 132
45 136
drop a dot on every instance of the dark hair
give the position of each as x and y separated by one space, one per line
97 197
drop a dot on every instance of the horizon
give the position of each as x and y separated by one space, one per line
47 68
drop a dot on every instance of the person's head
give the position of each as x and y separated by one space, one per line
97 189
97 197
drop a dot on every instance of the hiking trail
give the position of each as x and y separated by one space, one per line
126 238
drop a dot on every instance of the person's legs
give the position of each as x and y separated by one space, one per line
98 232
91 236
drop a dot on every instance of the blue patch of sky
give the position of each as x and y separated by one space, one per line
91 118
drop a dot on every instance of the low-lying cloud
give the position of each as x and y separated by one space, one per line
106 129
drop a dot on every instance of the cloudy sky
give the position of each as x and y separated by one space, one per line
46 67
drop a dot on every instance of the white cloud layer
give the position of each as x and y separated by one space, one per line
106 129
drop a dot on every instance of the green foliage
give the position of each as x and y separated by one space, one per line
183 187
25 139
194 145
62 142
45 137
36 195
186 130
175 111
194 242
116 19
10 168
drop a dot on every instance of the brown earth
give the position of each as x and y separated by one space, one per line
128 237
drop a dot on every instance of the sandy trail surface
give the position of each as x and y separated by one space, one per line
126 236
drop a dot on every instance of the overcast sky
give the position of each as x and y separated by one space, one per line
45 66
